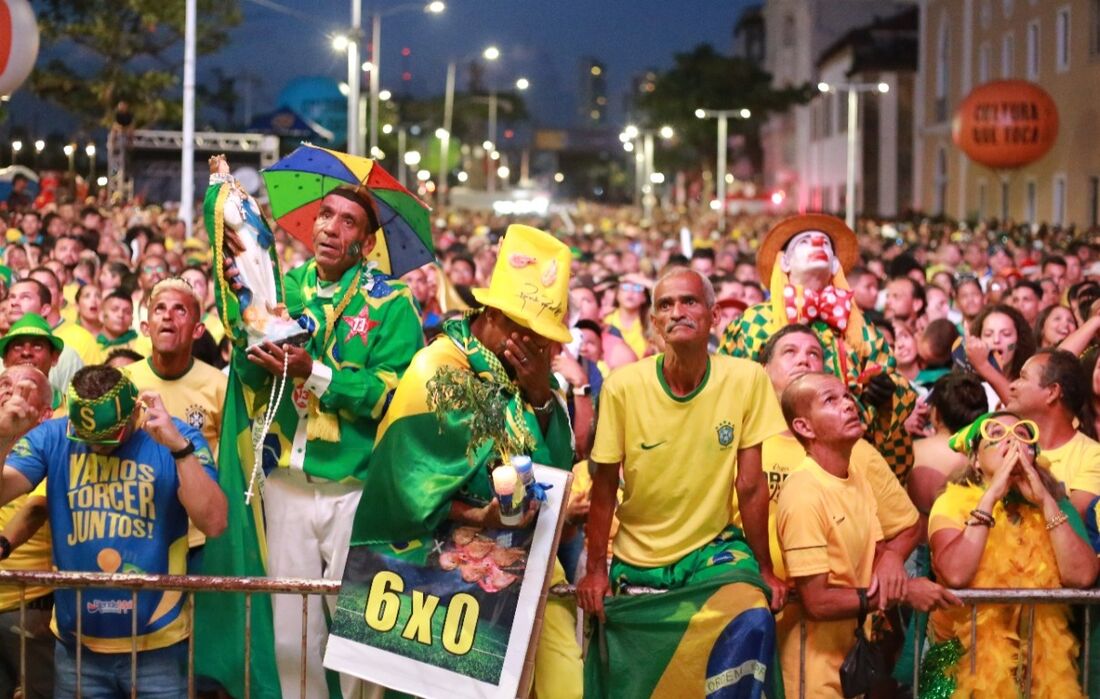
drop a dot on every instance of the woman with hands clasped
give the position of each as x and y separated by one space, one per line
1005 523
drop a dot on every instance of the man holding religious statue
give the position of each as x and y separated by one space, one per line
315 397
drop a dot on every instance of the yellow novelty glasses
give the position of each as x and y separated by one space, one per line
994 430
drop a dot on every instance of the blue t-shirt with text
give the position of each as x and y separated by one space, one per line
113 513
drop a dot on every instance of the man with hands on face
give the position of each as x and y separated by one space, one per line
123 477
366 330
831 538
685 430
420 475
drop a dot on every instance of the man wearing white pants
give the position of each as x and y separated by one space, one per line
366 331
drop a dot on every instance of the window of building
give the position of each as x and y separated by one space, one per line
1032 203
1094 28
1058 202
1008 55
983 187
985 60
842 113
943 64
827 116
1033 50
1061 40
1005 191
941 180
1094 201
788 30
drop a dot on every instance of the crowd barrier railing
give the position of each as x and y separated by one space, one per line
251 586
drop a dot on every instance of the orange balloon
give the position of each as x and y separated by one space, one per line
1006 123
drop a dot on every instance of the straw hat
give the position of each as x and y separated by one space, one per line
844 241
530 282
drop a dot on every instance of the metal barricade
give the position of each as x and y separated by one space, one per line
306 587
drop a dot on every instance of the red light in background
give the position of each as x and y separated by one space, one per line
508 133
406 52
406 76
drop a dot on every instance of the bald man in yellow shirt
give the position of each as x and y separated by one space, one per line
831 538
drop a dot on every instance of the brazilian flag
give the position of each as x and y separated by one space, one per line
713 639
220 617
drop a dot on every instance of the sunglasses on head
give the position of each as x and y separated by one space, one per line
995 430
632 286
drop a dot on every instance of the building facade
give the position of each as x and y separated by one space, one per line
592 91
883 51
797 32
966 43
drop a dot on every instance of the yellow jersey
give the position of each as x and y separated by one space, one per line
196 397
826 525
81 340
35 554
679 453
634 337
782 455
1077 463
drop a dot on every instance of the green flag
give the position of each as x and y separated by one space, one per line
220 617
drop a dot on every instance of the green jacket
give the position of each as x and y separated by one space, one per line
370 344
419 464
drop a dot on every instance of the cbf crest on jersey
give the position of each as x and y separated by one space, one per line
196 416
725 433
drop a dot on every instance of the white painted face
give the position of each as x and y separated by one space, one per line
809 251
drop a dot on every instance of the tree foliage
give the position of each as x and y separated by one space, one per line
123 50
705 78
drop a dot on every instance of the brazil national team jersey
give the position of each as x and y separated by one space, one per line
115 513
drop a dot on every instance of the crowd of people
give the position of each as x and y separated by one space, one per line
867 419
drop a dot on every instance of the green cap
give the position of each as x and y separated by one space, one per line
30 325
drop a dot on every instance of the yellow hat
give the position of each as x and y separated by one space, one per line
530 282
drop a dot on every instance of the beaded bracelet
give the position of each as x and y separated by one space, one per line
980 518
1057 521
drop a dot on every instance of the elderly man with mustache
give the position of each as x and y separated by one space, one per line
685 429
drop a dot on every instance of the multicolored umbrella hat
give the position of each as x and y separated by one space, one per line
297 184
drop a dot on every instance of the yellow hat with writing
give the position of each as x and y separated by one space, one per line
530 282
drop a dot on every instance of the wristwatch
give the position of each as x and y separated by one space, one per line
187 450
585 390
5 547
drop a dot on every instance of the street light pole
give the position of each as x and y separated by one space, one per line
722 115
492 185
187 166
853 90
445 137
435 7
354 79
850 175
375 76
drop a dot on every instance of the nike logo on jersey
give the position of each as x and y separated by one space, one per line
647 447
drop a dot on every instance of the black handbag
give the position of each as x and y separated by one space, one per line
864 666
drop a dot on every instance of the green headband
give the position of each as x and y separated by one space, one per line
100 420
964 440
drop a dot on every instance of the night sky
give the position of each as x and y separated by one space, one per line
542 40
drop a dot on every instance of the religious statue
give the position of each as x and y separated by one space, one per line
238 230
